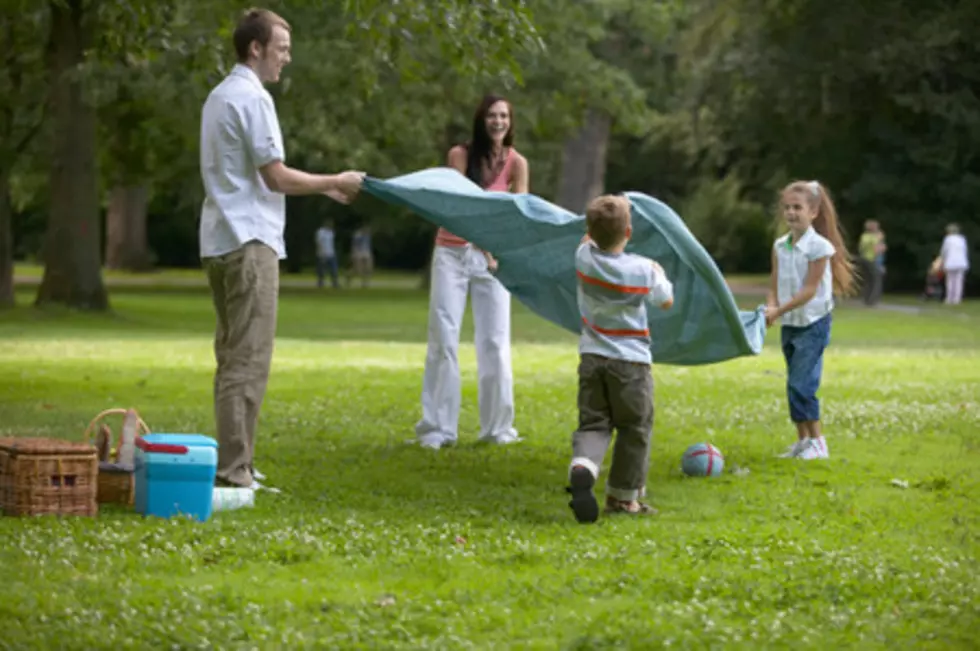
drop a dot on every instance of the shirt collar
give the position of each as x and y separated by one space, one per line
800 242
242 70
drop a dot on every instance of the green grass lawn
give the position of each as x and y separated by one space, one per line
375 543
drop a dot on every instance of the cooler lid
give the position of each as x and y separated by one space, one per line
183 440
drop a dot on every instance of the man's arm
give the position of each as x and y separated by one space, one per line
287 180
259 127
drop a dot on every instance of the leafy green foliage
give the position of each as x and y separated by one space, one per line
472 38
882 116
754 91
736 232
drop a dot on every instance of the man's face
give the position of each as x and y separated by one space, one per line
271 59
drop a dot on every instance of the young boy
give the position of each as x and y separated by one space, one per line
615 383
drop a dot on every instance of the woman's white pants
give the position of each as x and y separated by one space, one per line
457 272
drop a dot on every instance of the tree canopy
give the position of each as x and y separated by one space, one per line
710 106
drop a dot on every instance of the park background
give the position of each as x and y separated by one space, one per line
376 543
708 106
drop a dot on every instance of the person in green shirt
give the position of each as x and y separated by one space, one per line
871 250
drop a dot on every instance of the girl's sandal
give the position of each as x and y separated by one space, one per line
629 507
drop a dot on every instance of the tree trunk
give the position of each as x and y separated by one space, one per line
126 228
72 259
583 163
6 243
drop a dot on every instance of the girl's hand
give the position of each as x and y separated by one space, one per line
772 313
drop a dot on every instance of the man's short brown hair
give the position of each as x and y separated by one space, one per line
256 25
607 219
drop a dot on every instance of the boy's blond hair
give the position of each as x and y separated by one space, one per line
607 220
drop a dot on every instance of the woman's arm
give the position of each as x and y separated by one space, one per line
457 159
520 175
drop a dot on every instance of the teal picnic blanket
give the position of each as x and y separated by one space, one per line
534 242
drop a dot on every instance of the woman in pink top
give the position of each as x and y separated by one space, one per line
458 269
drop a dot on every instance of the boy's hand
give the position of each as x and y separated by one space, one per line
585 238
657 267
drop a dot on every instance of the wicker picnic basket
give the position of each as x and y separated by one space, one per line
116 482
40 476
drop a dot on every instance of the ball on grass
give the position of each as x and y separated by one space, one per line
702 460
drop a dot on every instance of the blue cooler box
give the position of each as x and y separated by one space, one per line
175 475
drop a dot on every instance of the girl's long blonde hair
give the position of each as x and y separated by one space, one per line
828 225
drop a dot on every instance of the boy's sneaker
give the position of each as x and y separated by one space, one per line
815 449
629 507
794 450
583 503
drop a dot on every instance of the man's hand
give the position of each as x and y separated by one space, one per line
347 186
339 196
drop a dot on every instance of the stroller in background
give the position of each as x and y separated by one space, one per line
935 282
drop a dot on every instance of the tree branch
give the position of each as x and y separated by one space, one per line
22 144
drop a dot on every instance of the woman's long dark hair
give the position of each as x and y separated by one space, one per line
478 149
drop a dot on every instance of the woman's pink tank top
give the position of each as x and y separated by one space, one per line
500 184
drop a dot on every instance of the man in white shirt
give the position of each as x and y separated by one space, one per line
956 262
241 233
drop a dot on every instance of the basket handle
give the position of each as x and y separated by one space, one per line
109 412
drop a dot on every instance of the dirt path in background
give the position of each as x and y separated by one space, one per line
741 288
150 280
285 280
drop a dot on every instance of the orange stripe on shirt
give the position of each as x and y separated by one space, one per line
625 289
616 333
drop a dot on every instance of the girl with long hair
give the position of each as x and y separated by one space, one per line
809 265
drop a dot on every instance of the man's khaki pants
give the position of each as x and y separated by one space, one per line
245 288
